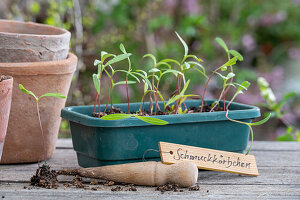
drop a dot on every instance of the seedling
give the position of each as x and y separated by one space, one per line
244 86
230 63
292 133
37 99
153 77
102 64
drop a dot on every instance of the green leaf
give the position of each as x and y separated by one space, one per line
186 49
162 98
261 122
196 64
244 86
285 98
122 48
107 56
223 77
236 54
185 87
222 43
57 95
144 76
231 62
153 70
170 61
285 137
116 116
96 83
124 82
130 73
193 56
163 63
27 91
175 72
187 66
230 75
97 62
118 58
152 57
151 120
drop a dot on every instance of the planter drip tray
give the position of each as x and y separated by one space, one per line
100 142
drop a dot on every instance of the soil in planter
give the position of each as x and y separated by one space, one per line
193 109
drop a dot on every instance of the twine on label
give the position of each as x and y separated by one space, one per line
170 152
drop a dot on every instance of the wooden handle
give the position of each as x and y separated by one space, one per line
185 174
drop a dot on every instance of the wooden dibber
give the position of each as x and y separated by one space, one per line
151 173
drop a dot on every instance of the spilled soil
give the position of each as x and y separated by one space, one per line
193 109
44 177
47 178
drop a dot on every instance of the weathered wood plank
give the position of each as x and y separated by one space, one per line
16 190
272 171
278 164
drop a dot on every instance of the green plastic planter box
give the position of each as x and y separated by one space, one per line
100 142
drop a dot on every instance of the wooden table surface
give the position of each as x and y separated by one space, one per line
278 165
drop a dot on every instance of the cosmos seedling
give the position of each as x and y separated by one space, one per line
37 99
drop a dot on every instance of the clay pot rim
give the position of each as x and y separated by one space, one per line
63 32
65 66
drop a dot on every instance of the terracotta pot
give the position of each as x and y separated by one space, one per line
23 141
32 42
6 87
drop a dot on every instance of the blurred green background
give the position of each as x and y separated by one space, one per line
267 33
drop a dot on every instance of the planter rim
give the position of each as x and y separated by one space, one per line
60 32
73 113
65 66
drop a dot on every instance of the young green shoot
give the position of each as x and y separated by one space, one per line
37 99
244 86
149 120
276 108
231 61
102 64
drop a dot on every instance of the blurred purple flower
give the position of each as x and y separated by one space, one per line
121 89
275 77
248 42
296 2
271 19
294 53
191 6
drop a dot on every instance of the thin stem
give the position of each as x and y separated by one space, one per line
221 95
201 109
95 103
251 130
99 100
111 96
99 103
127 93
108 98
156 102
151 108
43 137
224 105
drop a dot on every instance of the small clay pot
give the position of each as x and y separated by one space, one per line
6 87
32 42
23 142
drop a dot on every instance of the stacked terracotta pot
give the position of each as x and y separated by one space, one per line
38 57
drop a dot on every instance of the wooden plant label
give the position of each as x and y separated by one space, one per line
209 159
